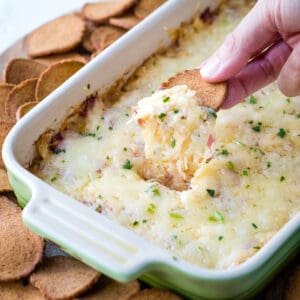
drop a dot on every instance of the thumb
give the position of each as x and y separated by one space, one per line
255 32
289 77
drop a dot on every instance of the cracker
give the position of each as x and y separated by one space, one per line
4 130
86 42
4 182
5 88
107 288
20 69
23 249
58 36
105 35
154 294
54 76
293 288
52 59
126 22
146 7
61 277
24 109
17 290
209 94
20 94
100 12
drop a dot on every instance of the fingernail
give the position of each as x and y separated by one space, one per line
211 67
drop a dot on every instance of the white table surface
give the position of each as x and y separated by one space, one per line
19 17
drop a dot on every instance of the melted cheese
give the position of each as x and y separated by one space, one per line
242 188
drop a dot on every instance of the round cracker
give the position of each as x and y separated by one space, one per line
104 36
100 12
5 88
293 288
52 59
154 294
62 277
86 42
54 76
4 130
16 290
20 94
146 7
24 109
4 182
209 94
58 36
107 288
23 249
20 69
126 22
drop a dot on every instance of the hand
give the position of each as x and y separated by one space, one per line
243 59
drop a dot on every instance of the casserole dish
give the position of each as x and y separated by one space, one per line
99 242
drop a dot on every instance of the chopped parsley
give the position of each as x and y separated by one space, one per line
151 208
99 208
98 127
124 149
58 151
211 192
144 221
245 172
256 247
288 100
127 115
282 178
110 128
135 223
156 192
127 165
230 165
174 258
162 116
173 142
53 179
212 112
254 225
175 215
217 217
281 133
220 238
268 163
256 127
252 100
88 86
175 111
223 152
90 134
100 196
165 99
298 116
247 186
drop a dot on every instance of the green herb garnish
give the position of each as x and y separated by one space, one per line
110 128
53 179
220 238
254 225
156 192
281 133
173 142
230 165
135 223
151 208
256 247
218 217
282 178
175 215
175 111
211 192
252 100
212 112
245 172
127 165
58 151
162 116
99 208
165 99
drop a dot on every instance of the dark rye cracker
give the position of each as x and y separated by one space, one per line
52 59
17 290
107 288
104 36
155 294
24 109
86 41
293 287
126 22
4 130
20 94
20 69
58 36
209 94
4 182
23 249
61 277
54 76
100 12
146 7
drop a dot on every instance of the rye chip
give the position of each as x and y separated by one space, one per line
23 249
5 88
4 130
61 277
154 294
20 94
107 288
58 36
20 69
17 290
126 22
209 94
54 76
4 182
24 109
52 59
100 12
105 35
146 7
